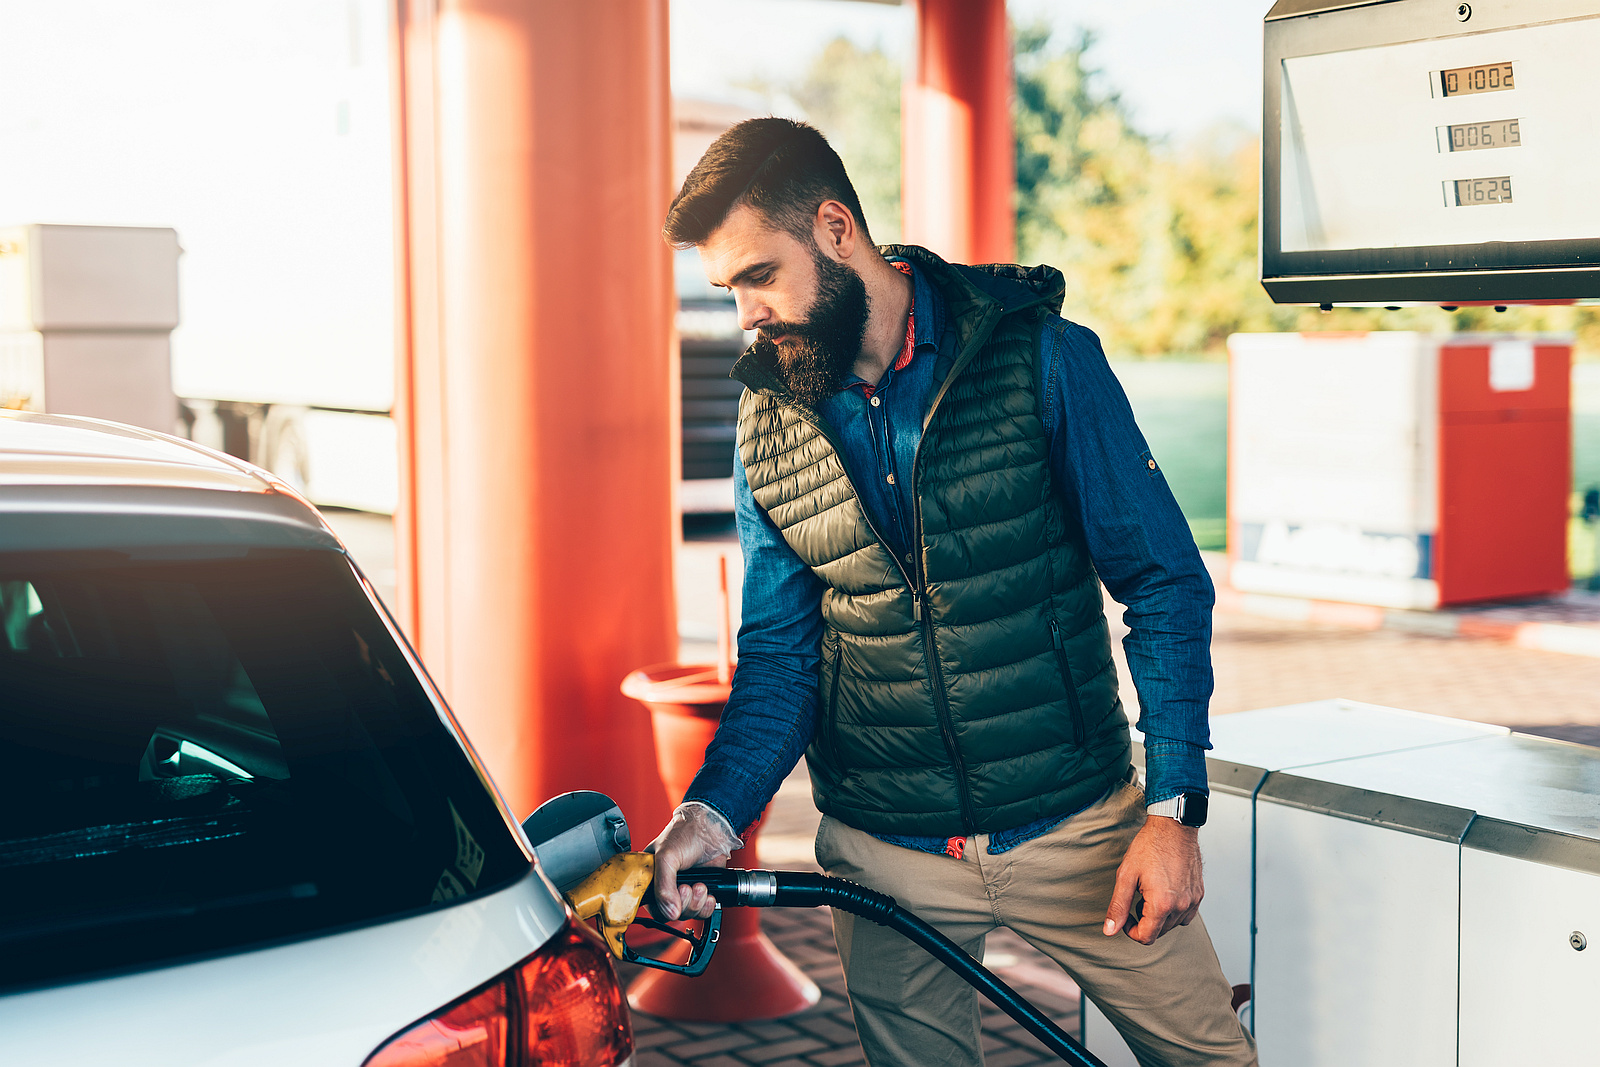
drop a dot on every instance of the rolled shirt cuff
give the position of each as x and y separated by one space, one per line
1171 768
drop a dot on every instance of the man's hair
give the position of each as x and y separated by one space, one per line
781 168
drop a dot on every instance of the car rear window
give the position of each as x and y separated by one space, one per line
200 754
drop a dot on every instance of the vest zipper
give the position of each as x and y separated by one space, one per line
941 700
1065 667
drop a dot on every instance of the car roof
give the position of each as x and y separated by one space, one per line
38 449
68 481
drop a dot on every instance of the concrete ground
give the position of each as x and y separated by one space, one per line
1260 662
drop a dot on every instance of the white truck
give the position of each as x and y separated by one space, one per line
262 138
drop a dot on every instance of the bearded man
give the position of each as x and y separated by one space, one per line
935 474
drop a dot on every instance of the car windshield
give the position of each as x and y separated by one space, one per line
200 754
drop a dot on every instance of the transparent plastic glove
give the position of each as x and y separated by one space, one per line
697 836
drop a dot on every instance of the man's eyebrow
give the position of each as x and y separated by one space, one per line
751 271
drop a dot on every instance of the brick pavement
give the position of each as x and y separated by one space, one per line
1264 662
1260 663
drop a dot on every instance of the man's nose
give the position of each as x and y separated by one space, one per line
753 313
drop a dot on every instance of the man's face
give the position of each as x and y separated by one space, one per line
808 308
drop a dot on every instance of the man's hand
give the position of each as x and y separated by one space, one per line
696 837
1163 867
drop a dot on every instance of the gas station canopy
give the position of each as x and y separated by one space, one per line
1418 152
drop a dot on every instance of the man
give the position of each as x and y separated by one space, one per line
935 472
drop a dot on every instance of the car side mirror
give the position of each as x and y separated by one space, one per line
170 756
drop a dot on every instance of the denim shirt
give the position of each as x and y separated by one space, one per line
1138 539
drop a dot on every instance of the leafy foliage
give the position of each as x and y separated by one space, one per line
852 94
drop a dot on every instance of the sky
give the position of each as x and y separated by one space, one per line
1180 66
262 136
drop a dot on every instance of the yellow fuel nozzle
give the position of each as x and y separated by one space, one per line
613 893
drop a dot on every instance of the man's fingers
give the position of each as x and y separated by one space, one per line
667 894
699 901
1151 925
1121 901
1159 920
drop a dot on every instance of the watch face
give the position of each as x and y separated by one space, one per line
1195 806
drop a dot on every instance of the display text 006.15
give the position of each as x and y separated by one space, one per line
1468 137
1488 78
1470 192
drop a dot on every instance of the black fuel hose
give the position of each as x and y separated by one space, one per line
800 889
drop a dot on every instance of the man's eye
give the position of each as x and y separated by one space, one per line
766 278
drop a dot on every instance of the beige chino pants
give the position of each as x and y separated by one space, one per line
1169 1000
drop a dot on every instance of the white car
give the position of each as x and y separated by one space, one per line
238 825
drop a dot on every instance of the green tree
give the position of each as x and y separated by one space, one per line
852 94
1083 186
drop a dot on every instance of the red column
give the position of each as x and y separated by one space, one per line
537 381
959 159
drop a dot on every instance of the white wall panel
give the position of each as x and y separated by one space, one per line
1355 944
1526 995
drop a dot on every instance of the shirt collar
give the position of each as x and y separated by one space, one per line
927 324
930 308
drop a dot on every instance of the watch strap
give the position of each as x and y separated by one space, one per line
1171 808
1187 808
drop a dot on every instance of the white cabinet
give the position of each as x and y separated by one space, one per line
1355 942
1401 889
1527 995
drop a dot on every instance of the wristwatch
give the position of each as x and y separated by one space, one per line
1187 808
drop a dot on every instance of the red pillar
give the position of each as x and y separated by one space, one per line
959 159
537 381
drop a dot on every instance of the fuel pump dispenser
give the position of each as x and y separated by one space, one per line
582 842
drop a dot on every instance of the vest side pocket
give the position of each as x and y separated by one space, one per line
830 710
1065 668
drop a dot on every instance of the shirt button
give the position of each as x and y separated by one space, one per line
891 479
1152 464
874 401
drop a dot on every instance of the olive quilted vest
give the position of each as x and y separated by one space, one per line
968 688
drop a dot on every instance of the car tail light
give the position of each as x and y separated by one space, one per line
560 1007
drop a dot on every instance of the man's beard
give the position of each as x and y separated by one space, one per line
817 353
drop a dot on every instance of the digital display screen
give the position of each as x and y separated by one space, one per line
1501 133
1462 81
1470 192
1368 158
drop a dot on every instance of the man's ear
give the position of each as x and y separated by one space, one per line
835 229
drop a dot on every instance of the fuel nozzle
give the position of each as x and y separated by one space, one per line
581 841
612 896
